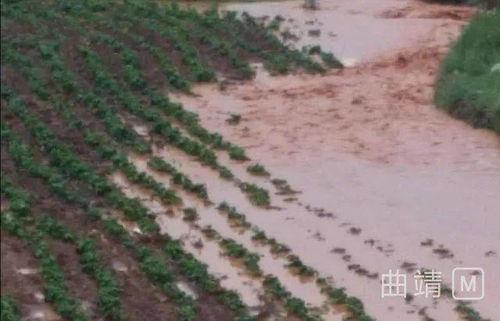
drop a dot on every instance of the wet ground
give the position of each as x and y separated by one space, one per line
383 180
406 185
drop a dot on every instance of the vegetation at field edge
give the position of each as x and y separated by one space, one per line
468 84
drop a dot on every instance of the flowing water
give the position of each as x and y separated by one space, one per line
386 180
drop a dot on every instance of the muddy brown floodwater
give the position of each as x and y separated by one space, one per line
406 184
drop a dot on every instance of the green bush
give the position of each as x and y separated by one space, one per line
468 84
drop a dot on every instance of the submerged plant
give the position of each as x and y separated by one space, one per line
190 214
238 251
257 195
296 265
234 119
257 169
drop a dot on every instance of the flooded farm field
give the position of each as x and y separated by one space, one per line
180 165
366 144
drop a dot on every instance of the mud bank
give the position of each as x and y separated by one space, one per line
366 144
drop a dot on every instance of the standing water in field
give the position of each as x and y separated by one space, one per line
351 30
323 182
408 187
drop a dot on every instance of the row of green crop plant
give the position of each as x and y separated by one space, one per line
220 45
129 101
276 248
248 35
64 80
152 266
155 269
257 195
238 220
235 250
235 218
354 306
135 81
197 272
250 261
278 57
49 52
337 296
121 162
178 178
180 26
24 12
25 66
106 151
134 176
296 265
177 25
192 269
61 154
149 15
62 157
9 310
22 155
274 60
108 292
293 304
166 23
295 260
257 170
15 222
173 76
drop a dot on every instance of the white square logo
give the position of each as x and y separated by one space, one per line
468 283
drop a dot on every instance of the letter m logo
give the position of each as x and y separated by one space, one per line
468 283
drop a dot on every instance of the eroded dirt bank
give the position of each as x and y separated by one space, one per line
367 144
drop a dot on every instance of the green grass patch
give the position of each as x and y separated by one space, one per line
468 84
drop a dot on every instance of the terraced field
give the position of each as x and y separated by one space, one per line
96 184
